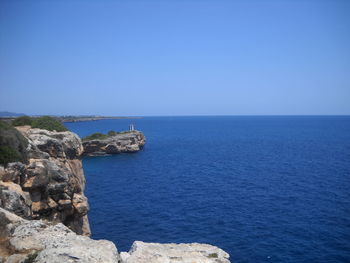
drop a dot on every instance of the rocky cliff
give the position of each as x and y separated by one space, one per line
125 142
51 185
43 210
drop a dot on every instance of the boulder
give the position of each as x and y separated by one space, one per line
13 172
13 199
8 221
42 242
142 252
16 258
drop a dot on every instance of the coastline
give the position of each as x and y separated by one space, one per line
70 119
97 118
45 196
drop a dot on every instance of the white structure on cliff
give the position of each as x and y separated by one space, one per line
131 127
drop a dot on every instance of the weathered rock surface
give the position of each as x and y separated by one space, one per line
55 243
51 185
57 144
174 253
127 142
13 199
23 239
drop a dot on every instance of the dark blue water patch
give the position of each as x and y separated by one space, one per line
265 189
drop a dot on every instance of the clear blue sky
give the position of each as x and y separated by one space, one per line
175 57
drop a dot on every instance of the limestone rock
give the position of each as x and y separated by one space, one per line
80 204
16 258
126 142
13 172
51 185
2 173
52 243
174 253
13 199
8 221
56 144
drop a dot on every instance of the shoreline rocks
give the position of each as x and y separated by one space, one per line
43 242
142 252
126 142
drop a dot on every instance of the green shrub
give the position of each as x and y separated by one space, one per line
96 136
48 123
112 133
8 155
213 255
12 145
23 120
31 257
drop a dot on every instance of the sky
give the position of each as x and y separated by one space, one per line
175 57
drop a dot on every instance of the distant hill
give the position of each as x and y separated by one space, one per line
10 114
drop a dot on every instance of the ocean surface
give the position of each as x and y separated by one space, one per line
264 189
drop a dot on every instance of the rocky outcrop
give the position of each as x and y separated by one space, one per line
125 142
40 242
141 252
51 185
43 218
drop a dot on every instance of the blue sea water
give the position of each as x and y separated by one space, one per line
265 189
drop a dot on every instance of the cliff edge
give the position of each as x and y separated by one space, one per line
50 186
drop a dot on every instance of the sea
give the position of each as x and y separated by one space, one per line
263 188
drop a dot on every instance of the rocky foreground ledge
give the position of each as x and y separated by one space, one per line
36 241
142 252
25 241
125 142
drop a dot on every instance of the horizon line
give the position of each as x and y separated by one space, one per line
190 115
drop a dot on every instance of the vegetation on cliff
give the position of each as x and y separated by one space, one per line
12 145
21 121
102 136
95 136
45 122
48 123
